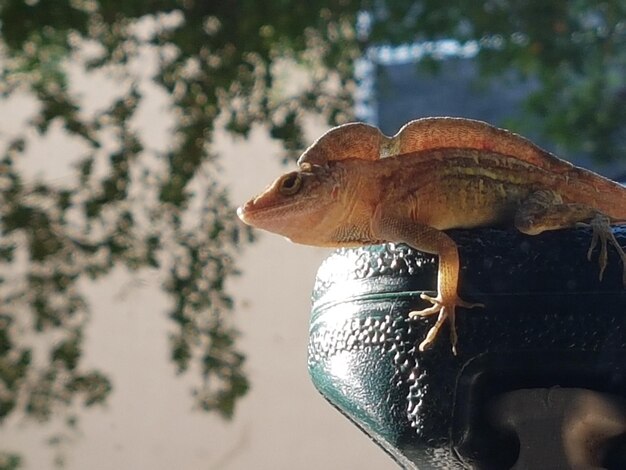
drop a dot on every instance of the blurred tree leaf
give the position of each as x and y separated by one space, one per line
10 461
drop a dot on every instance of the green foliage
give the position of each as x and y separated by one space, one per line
217 60
227 65
574 50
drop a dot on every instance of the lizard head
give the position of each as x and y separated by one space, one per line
301 205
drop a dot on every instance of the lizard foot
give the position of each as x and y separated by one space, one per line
446 311
603 234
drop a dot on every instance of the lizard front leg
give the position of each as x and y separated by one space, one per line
424 238
545 210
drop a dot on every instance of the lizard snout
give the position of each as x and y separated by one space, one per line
244 210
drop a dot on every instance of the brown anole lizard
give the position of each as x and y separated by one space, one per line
355 186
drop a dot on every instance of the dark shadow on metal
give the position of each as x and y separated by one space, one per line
548 325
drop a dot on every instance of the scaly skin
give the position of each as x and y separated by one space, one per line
357 186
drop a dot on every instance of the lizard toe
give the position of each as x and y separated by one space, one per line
431 336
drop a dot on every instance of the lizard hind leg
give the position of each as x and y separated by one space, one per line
544 210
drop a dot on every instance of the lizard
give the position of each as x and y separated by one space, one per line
357 186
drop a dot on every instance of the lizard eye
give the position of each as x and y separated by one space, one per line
290 184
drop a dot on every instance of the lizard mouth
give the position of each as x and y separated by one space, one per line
255 214
250 214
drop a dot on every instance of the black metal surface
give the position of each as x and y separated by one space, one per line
548 321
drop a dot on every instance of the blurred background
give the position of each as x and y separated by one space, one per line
141 325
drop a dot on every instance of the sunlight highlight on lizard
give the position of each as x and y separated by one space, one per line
436 174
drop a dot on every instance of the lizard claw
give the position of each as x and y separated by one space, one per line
603 234
446 311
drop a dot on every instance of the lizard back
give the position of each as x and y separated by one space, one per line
485 187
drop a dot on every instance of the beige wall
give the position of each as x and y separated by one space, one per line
148 422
